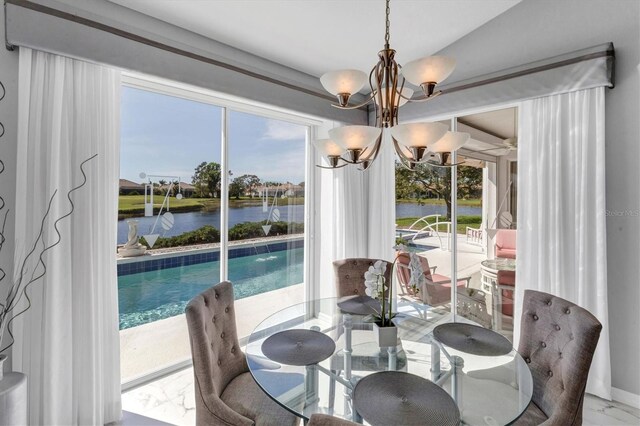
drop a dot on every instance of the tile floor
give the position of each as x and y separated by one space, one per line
170 400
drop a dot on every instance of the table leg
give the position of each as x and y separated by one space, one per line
393 359
457 364
435 361
348 327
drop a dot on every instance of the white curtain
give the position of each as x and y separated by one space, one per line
357 214
382 202
561 210
67 343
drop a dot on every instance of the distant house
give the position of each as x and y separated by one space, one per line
127 187
288 189
186 189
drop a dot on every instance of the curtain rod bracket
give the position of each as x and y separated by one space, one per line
10 47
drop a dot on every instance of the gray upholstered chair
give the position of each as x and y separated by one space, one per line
349 275
226 393
557 340
326 420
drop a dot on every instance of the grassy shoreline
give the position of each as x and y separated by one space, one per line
133 205
473 202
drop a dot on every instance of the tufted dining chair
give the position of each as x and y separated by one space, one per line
349 275
557 340
226 393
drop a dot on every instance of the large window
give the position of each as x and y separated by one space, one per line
207 193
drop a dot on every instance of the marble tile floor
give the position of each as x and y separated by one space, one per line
170 400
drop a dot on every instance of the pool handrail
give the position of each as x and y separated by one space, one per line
429 227
424 219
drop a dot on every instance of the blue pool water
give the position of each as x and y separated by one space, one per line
162 293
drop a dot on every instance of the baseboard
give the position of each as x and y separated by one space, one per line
625 397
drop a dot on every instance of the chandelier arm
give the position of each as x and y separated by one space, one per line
397 94
360 105
331 168
378 79
426 98
406 163
374 151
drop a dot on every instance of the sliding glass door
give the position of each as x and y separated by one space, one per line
207 193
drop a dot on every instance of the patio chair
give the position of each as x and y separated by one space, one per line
506 243
506 281
226 393
557 340
437 289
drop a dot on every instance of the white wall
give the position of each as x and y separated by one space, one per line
538 29
9 118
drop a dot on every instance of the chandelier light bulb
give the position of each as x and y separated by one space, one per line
354 138
432 69
343 81
418 135
451 141
328 148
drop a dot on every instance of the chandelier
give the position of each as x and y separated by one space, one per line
414 143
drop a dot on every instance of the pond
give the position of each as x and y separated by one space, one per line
185 222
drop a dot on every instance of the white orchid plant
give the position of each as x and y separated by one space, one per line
375 287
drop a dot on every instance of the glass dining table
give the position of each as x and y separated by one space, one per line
488 390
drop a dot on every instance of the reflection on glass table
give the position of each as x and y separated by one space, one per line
490 390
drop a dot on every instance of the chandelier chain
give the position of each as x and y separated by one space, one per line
387 25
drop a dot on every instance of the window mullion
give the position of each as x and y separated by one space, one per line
224 197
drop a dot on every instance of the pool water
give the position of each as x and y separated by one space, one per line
150 296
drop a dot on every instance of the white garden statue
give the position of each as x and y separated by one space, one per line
132 247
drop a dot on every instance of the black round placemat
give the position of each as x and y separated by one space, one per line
472 339
397 398
298 347
359 305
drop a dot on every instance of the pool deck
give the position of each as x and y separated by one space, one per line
164 343
209 247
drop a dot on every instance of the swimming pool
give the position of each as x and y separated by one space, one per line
161 288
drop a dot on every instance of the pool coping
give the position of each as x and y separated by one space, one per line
204 248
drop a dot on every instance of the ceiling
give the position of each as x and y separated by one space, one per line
497 126
501 123
316 36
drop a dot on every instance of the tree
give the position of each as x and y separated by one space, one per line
427 181
206 179
251 183
237 187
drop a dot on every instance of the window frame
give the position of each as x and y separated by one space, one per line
232 103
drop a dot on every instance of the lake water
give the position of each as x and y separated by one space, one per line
185 222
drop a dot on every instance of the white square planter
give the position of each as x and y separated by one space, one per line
386 336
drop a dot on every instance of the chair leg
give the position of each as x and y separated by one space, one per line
332 390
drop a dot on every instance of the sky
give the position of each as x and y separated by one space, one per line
170 136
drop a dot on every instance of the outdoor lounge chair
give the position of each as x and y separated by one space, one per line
437 289
506 243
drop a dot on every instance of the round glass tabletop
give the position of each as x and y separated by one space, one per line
489 390
500 264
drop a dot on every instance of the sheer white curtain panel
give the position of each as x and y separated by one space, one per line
67 343
561 210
